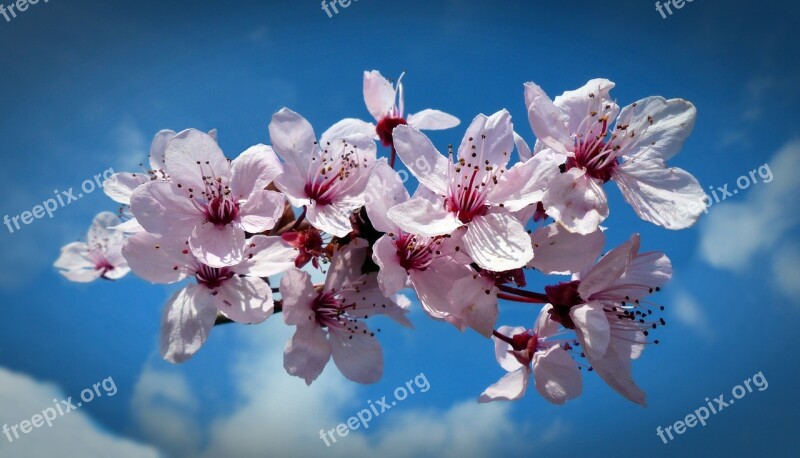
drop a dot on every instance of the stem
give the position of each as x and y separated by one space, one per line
392 156
538 297
299 220
511 297
506 339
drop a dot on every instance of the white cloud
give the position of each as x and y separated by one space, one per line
786 270
73 434
689 313
163 408
277 414
734 233
132 147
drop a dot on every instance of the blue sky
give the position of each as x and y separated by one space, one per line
87 84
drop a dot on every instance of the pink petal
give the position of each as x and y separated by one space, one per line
266 256
218 246
578 104
492 138
556 375
435 299
254 170
345 267
156 259
523 149
261 211
419 216
245 300
298 296
392 277
120 186
592 328
100 232
614 367
476 303
545 326
307 353
75 265
560 252
422 159
347 128
334 218
161 211
669 197
191 155
292 183
186 322
385 189
648 270
502 349
158 149
660 127
610 268
525 183
577 201
358 355
498 242
509 388
293 138
547 121
429 119
379 95
120 264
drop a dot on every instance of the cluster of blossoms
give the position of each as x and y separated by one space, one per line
276 217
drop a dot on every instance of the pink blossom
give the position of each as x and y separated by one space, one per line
386 103
329 320
210 201
99 257
534 351
237 292
629 147
476 192
603 305
329 182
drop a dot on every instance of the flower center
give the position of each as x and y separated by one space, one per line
309 243
328 174
417 253
222 210
212 277
386 126
563 297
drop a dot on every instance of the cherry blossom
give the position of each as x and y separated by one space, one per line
329 320
99 257
524 352
210 201
604 305
329 183
237 292
477 192
386 103
629 146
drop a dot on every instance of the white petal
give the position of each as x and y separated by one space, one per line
509 388
609 269
293 138
669 197
432 120
261 211
298 296
254 170
556 375
191 155
160 210
347 128
266 256
307 353
156 259
120 186
592 328
421 217
659 127
523 149
379 95
100 232
158 149
358 356
576 201
502 349
475 302
547 121
422 159
490 139
385 189
186 322
560 252
498 242
579 104
525 183
615 369
333 219
392 277
218 246
245 300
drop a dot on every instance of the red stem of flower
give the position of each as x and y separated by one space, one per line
537 298
392 156
299 220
